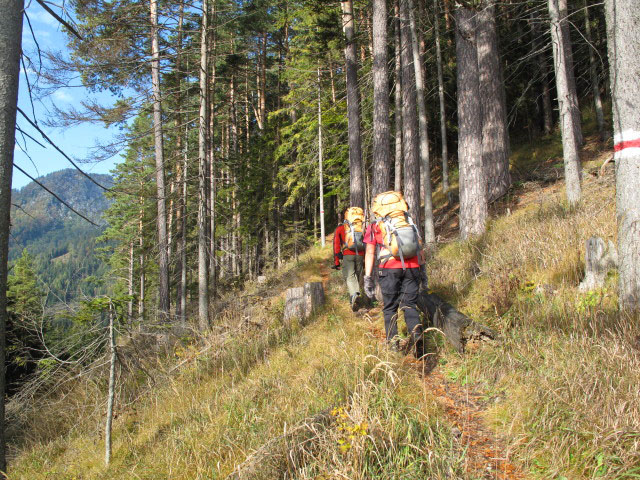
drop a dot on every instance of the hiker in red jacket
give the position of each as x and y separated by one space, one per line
393 243
348 249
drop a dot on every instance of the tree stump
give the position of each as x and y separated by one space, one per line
456 327
302 302
599 258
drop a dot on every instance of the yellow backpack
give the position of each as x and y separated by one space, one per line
400 235
354 229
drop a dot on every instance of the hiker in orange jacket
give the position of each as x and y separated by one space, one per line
351 262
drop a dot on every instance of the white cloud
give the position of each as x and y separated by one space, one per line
62 96
28 71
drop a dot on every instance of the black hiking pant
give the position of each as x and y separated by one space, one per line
400 291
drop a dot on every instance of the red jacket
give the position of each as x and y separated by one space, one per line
338 243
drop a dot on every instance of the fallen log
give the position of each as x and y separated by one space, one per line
456 326
286 452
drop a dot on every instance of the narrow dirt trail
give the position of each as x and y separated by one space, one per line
487 455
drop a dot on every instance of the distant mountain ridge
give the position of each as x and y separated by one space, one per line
72 187
61 242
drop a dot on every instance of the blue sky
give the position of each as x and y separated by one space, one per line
77 141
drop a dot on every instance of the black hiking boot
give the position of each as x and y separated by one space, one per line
356 302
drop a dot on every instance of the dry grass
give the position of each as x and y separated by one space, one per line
565 378
219 408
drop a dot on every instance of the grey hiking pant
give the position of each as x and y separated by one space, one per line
352 271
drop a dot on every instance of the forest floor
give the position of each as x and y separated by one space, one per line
556 397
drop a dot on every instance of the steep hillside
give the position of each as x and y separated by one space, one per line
555 397
61 242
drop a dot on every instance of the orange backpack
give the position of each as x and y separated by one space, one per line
400 235
354 229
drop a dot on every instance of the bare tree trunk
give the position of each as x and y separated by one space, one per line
443 113
112 388
10 51
203 274
320 161
353 107
183 239
180 173
429 227
163 260
593 71
381 153
473 186
495 142
623 39
571 77
130 283
398 100
541 59
410 134
569 141
333 82
212 161
141 299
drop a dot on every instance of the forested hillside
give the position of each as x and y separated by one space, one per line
62 244
246 128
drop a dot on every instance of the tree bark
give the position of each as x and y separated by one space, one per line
571 77
495 134
203 274
473 185
161 219
112 387
398 100
429 227
623 39
593 72
353 107
409 119
10 51
541 63
569 141
320 162
381 151
443 113
180 177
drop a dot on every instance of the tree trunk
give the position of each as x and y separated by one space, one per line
623 39
409 121
569 141
212 162
10 51
473 186
130 283
163 261
381 153
443 113
320 161
429 227
180 173
203 274
571 77
183 239
541 63
495 149
593 72
353 108
398 100
112 388
141 300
